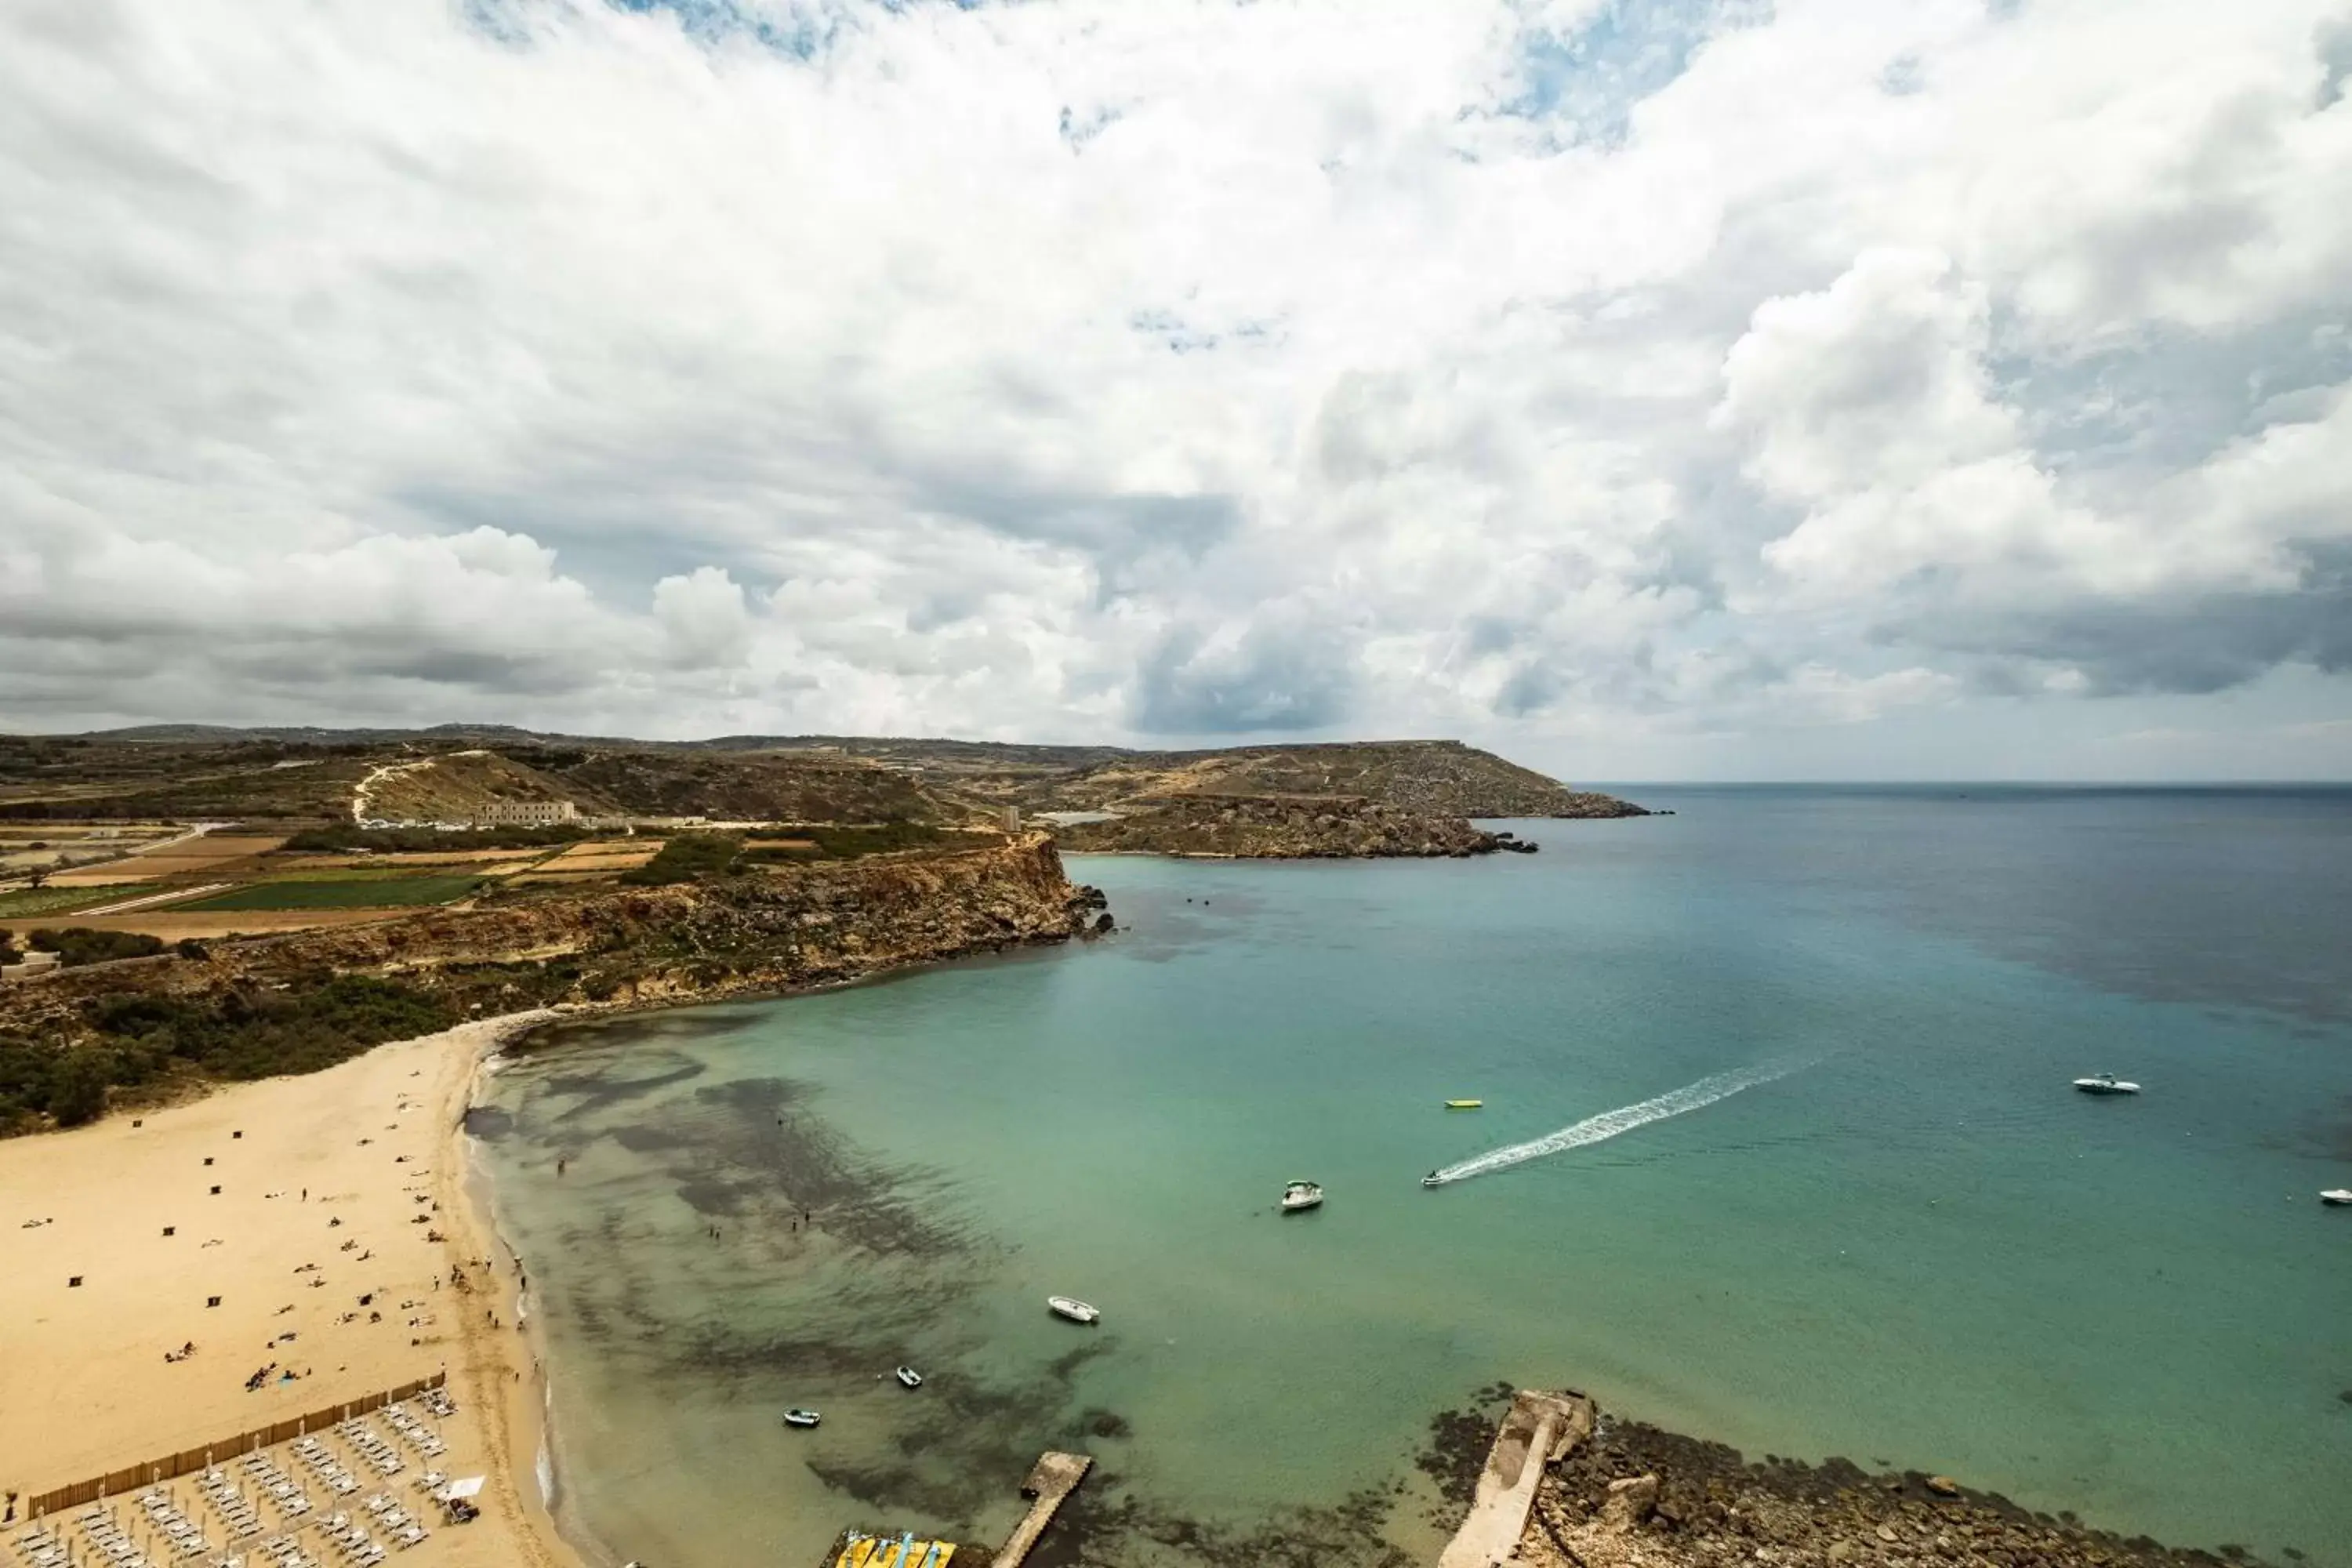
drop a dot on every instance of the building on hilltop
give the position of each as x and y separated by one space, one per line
527 813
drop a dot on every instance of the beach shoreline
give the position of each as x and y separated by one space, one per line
217 1221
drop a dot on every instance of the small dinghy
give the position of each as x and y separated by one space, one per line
1070 1307
2339 1196
1431 1179
910 1377
2105 1083
1464 1104
798 1418
1300 1196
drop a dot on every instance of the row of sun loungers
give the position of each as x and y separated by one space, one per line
351 1539
437 1403
283 1552
326 1465
240 1517
105 1537
420 1437
394 1521
186 1540
40 1547
372 1445
291 1501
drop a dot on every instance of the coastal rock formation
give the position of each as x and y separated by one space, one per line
1278 827
770 930
1637 1497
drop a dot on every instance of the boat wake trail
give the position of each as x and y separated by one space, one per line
1624 1119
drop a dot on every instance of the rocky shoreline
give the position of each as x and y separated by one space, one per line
1638 1496
1284 827
788 929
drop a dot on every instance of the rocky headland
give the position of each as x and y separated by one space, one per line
1282 828
1636 1496
304 1000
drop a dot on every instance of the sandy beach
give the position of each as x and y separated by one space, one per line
319 1226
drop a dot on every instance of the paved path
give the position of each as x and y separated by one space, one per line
1055 1477
1539 1430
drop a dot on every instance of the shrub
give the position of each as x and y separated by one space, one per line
80 944
78 1092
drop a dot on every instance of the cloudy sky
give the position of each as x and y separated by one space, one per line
1721 388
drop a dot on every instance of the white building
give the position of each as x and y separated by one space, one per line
528 813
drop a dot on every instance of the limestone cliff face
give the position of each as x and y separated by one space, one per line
770 930
1280 828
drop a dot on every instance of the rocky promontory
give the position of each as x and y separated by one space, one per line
1636 1496
1281 827
291 1002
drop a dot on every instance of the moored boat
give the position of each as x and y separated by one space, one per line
910 1377
2337 1196
1070 1307
2105 1083
1300 1196
1464 1104
799 1417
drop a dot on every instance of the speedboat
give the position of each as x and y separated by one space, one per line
2337 1196
1429 1180
1070 1307
1464 1104
910 1377
1301 1195
2105 1083
799 1417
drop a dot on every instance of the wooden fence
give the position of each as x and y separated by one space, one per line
187 1459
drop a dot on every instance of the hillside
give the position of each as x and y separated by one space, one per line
1442 777
460 786
769 786
193 771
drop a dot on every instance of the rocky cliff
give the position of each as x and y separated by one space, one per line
1280 828
272 1004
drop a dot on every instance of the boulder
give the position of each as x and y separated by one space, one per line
1630 1502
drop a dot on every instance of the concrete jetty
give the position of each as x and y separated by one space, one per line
1055 1477
1541 1429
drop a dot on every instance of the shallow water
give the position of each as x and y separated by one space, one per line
1920 1246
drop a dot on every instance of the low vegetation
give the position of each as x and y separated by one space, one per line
78 945
141 1039
847 843
686 856
362 891
20 903
347 838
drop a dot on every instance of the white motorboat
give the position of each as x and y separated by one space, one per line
2337 1196
2105 1083
910 1377
1070 1307
1300 1196
798 1418
1431 1179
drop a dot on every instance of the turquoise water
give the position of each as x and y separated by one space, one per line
1917 1246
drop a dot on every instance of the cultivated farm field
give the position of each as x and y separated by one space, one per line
21 903
342 893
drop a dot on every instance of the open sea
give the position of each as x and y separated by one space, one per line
1848 1203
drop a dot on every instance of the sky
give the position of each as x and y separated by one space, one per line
1714 390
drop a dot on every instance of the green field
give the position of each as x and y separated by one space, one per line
349 893
26 901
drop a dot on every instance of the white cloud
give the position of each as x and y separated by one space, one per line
1094 369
